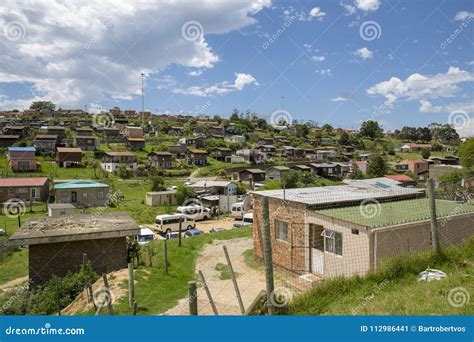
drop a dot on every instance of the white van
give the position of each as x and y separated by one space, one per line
170 223
194 211
237 210
146 235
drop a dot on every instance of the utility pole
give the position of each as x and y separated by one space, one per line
434 221
143 100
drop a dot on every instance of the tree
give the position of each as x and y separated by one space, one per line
183 193
425 154
157 183
377 166
370 129
40 105
466 154
344 140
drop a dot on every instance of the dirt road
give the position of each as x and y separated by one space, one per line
250 281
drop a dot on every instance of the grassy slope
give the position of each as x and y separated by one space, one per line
14 266
156 292
394 290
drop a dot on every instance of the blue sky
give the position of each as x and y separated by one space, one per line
250 53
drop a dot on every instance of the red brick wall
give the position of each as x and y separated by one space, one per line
106 255
287 254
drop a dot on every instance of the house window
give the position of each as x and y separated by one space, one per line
34 193
355 231
11 191
84 195
22 190
332 241
281 230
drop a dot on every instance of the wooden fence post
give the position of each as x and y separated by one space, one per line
108 295
131 285
211 301
234 280
192 293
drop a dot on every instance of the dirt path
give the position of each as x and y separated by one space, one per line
250 281
12 283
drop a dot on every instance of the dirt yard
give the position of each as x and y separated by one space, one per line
206 225
250 281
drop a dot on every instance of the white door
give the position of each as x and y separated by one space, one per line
317 249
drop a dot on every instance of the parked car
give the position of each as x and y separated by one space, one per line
193 232
216 230
170 223
194 211
246 221
172 236
237 210
173 187
2 232
145 236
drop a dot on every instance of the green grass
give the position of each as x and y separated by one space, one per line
225 272
155 291
394 289
377 215
249 259
216 167
14 266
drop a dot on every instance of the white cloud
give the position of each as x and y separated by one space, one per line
470 63
367 5
318 58
241 80
364 53
84 52
195 73
339 99
427 107
349 9
463 15
421 87
317 13
324 72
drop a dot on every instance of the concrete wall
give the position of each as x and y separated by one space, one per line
91 199
106 255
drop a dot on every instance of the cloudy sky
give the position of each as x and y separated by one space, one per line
339 62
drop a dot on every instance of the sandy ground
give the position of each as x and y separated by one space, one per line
250 281
13 283
206 225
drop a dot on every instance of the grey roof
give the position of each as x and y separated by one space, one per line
356 191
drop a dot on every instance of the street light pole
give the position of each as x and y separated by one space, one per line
143 100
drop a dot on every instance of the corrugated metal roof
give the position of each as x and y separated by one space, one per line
21 149
80 184
11 182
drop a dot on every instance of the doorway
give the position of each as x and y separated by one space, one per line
316 247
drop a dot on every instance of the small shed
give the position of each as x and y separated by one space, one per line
57 245
156 198
60 209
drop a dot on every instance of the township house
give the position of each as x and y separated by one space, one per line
25 189
196 157
349 229
111 161
418 167
412 147
135 144
56 245
68 156
82 193
22 158
45 143
161 159
8 140
86 142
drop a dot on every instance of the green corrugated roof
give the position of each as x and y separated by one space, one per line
80 184
390 213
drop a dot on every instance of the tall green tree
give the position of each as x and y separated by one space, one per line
466 154
377 166
40 105
370 129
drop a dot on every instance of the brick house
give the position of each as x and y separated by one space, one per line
21 131
418 167
82 193
161 159
133 132
178 149
321 231
45 143
111 134
216 130
68 156
111 161
196 157
84 132
57 245
176 131
26 189
252 176
276 173
60 132
22 158
135 144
